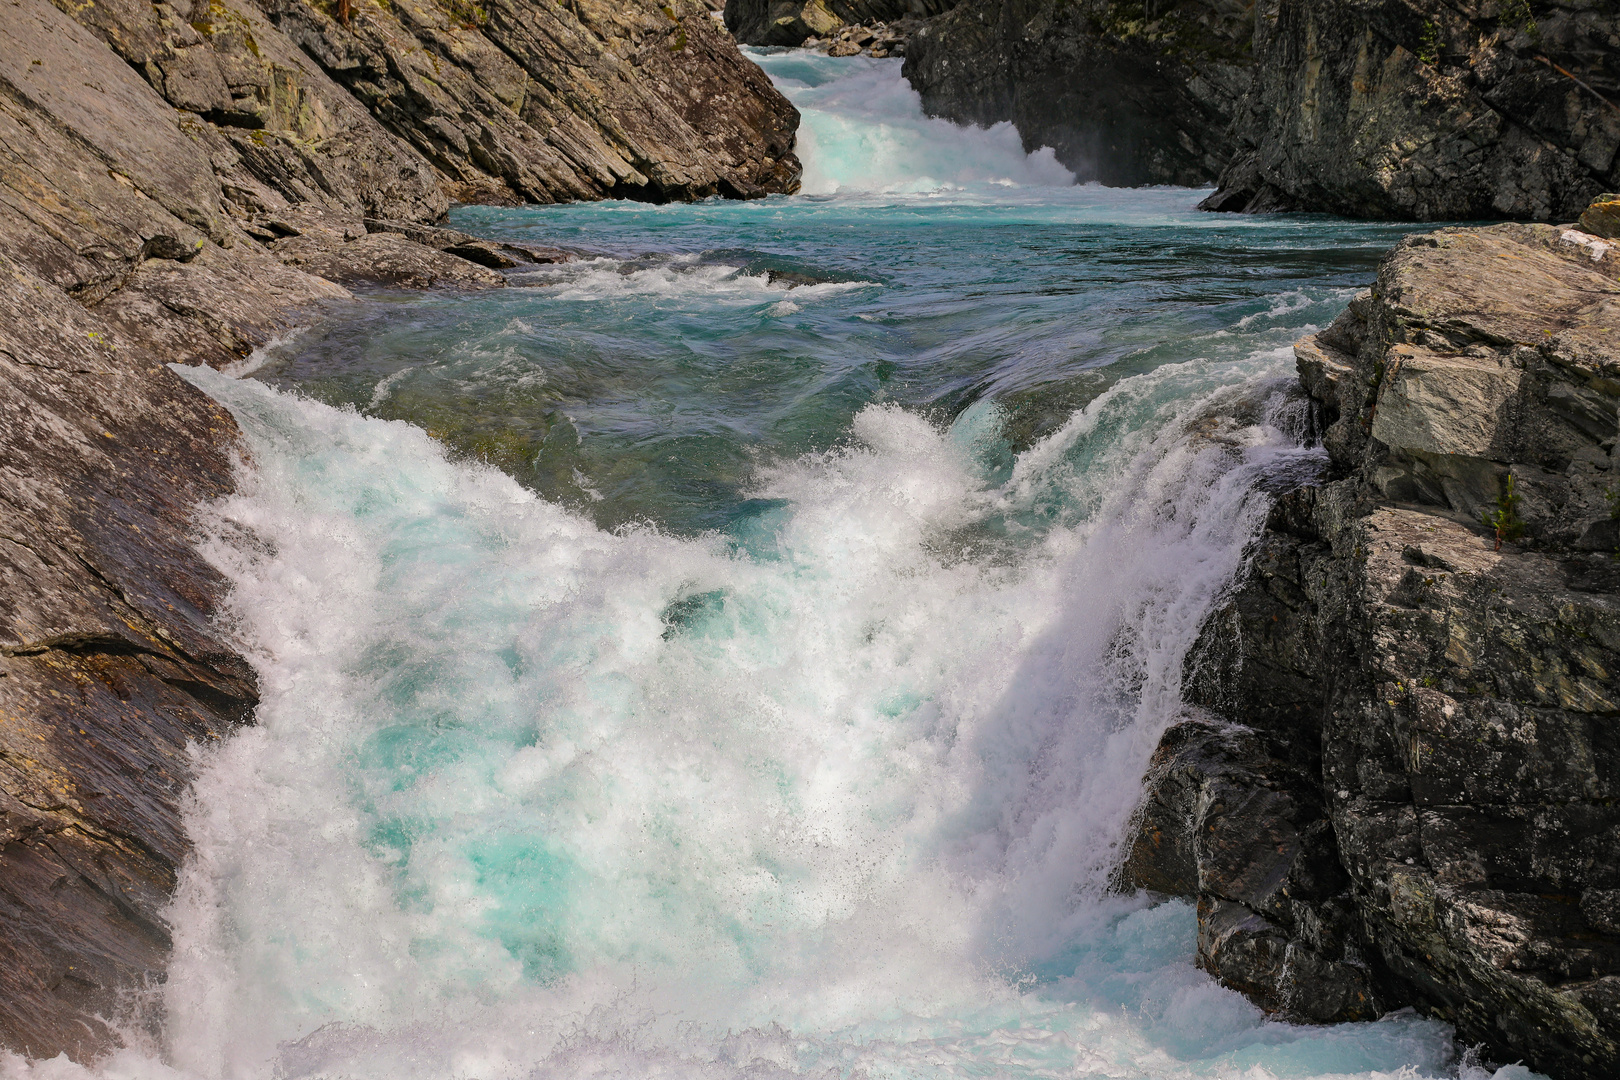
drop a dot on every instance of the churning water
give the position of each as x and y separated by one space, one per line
736 653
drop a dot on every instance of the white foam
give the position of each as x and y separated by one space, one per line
863 129
681 281
880 769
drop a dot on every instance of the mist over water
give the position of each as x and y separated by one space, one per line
736 653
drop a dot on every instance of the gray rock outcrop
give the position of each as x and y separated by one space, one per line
1425 654
1426 111
1392 109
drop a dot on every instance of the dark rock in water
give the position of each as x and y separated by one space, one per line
1427 656
1122 98
1228 820
794 277
495 254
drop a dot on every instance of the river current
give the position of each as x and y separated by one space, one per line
735 653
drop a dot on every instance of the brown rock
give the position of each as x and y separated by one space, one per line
109 662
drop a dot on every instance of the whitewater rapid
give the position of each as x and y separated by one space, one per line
752 719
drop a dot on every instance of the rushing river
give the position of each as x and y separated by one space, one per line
736 652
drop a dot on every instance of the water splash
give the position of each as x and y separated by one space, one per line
527 798
863 130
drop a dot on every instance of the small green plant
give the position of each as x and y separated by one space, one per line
470 14
1612 495
1505 520
1429 48
1518 13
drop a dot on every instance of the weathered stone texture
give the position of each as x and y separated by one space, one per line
531 101
1421 110
1452 699
1395 109
109 663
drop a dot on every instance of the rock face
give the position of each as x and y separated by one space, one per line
520 101
109 664
790 22
526 100
181 183
1399 109
1425 655
1122 98
1421 110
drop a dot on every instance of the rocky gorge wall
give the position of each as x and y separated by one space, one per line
1392 109
1400 787
184 182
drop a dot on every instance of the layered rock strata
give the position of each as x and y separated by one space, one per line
1427 111
1397 109
519 101
1405 788
185 184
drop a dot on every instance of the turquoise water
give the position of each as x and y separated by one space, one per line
735 653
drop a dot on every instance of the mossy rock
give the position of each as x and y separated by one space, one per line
1602 218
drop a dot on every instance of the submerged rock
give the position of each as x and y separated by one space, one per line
1426 647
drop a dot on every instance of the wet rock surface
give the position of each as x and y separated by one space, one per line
1428 654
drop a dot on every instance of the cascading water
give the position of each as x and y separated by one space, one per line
737 654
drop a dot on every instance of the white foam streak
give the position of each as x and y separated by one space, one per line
681 280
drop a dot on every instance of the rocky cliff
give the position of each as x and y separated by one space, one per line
183 183
1402 109
1402 788
1423 110
1122 97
